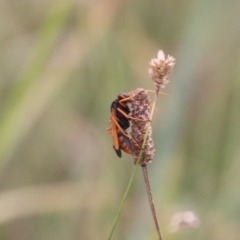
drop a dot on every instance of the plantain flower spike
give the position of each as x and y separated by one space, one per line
160 67
141 110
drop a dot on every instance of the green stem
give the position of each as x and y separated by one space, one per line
133 173
128 188
123 201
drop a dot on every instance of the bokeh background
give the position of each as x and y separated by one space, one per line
62 63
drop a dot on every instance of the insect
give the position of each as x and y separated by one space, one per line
124 144
120 122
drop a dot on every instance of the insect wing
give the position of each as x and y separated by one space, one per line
114 130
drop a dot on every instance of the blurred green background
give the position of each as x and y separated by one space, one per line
62 63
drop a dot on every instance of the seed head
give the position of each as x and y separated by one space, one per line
160 67
141 110
186 219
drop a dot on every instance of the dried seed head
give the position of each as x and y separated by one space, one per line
159 68
182 220
141 110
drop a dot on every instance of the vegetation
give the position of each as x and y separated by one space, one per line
62 64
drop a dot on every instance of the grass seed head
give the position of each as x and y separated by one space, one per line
160 67
141 110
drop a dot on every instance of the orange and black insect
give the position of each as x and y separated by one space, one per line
124 144
120 122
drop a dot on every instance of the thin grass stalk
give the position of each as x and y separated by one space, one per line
130 183
146 179
133 173
150 198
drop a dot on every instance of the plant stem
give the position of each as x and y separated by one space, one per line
130 181
146 179
123 202
133 173
150 198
